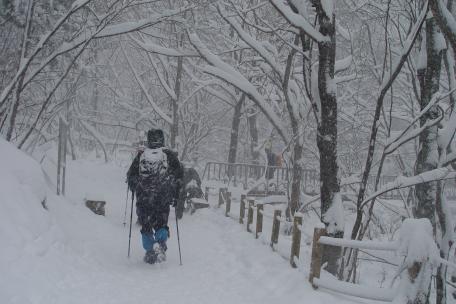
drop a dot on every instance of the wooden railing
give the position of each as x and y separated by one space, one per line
255 211
248 174
415 281
413 233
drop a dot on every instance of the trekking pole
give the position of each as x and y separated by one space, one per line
178 239
131 220
126 206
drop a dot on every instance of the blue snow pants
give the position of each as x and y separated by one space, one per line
150 238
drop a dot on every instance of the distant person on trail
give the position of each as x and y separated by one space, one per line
273 160
155 176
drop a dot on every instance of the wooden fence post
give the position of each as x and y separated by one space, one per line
317 253
206 194
228 203
242 209
295 239
222 192
259 220
275 228
250 214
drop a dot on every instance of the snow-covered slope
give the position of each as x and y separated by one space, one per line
70 255
27 231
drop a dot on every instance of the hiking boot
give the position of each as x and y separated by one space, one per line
150 257
160 255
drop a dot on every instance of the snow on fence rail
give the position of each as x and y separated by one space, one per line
415 243
373 245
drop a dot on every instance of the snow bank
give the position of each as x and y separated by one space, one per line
22 192
27 230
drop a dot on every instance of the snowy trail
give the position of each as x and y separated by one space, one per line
221 262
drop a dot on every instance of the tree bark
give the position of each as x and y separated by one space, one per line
327 134
427 194
253 129
428 153
175 125
297 142
437 8
232 153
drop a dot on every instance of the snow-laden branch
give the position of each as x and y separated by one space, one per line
151 47
218 94
108 31
253 43
405 182
391 147
298 21
162 80
25 63
149 98
227 73
395 142
388 80
342 64
386 84
128 27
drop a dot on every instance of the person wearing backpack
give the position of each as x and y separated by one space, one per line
155 176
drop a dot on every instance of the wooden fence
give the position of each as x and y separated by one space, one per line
416 277
247 175
320 241
250 209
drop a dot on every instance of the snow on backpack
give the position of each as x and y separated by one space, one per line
153 163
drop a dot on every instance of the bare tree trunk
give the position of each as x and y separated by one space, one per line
95 98
232 153
327 137
427 194
175 125
13 113
428 154
297 142
252 121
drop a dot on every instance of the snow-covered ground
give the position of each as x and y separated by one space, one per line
70 255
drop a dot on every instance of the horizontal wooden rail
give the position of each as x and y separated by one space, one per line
371 245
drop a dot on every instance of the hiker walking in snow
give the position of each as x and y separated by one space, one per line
155 176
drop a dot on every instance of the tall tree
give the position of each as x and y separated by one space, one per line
331 204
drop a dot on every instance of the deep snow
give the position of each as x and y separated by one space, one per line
70 255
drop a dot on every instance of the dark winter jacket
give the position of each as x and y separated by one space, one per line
175 170
155 194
